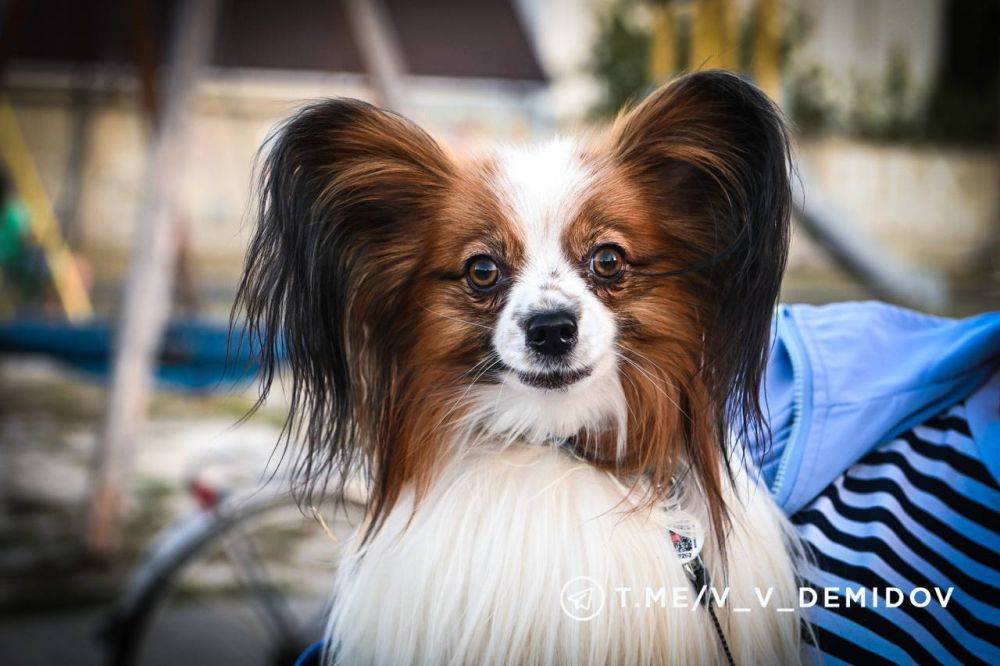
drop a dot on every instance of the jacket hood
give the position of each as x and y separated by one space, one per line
846 377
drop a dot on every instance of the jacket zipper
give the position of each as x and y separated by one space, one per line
801 385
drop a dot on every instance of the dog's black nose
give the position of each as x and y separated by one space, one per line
551 333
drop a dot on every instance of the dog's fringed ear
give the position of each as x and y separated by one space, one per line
713 152
344 195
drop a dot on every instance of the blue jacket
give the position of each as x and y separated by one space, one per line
846 377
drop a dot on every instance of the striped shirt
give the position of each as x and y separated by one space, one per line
921 511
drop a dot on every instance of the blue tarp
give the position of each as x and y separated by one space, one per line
195 354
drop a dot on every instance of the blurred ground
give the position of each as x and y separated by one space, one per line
48 422
193 636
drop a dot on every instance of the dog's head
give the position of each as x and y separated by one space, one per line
615 293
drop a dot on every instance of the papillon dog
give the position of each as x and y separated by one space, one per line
545 363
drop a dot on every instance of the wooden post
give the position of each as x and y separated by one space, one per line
142 43
663 62
380 51
714 35
766 64
147 292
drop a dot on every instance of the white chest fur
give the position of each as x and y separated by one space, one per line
477 575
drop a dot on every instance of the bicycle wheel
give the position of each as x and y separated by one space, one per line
247 582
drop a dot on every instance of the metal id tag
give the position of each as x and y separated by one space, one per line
686 535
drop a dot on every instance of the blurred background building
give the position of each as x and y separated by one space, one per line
893 103
896 104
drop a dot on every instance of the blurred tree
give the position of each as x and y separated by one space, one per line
885 110
900 113
643 44
620 59
806 101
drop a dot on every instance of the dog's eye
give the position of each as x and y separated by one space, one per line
607 262
482 272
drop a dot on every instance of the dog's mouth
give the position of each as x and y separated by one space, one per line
553 379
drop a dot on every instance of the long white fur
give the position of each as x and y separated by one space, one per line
476 575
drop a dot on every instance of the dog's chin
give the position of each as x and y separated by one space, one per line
553 380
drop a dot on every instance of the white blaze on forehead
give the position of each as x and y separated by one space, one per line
543 186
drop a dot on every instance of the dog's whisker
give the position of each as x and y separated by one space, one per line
652 380
489 363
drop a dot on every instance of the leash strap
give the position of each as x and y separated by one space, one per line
693 567
698 576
